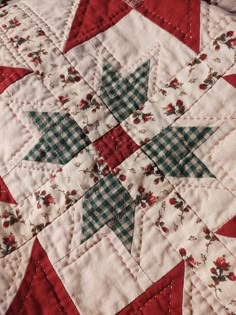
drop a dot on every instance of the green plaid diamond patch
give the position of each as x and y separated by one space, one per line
61 141
124 95
171 150
104 203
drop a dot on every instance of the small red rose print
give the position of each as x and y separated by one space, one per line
139 116
145 198
220 273
40 33
209 236
63 99
122 177
225 39
179 103
5 224
231 42
160 222
36 56
191 262
211 79
169 109
70 197
163 92
213 270
174 84
150 169
89 102
203 56
83 104
99 169
206 230
172 201
44 199
231 276
182 251
106 171
202 86
9 218
177 108
165 229
116 170
180 205
141 189
48 200
222 263
37 228
11 24
196 61
9 244
151 199
72 76
230 34
41 75
17 41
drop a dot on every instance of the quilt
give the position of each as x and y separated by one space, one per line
118 157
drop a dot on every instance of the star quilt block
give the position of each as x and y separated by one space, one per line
117 164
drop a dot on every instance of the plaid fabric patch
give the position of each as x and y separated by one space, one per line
191 166
62 139
171 151
193 137
43 152
124 95
103 203
123 226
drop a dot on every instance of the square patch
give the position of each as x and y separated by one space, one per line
115 146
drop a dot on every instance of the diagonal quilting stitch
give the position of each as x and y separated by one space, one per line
165 21
155 297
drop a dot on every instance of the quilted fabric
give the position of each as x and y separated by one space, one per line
117 164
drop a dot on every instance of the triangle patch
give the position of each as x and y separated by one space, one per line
231 79
163 297
180 18
5 195
62 139
228 229
124 95
41 291
9 75
93 17
123 226
172 151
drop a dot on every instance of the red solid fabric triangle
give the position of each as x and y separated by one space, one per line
41 291
5 195
163 297
9 75
180 18
228 229
231 79
93 17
